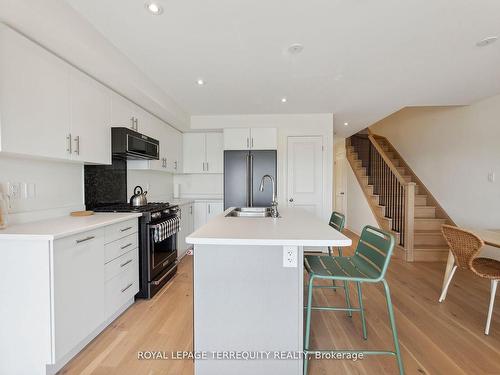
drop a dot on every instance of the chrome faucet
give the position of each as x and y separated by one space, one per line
274 203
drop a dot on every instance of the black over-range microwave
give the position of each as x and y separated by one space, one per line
129 144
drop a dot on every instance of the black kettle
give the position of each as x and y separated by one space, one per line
139 197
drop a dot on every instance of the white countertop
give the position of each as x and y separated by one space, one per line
296 227
181 201
63 226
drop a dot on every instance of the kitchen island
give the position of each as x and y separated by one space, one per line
248 291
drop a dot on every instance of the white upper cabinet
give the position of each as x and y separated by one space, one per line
34 98
237 139
250 139
194 156
263 138
48 108
203 153
123 114
170 155
215 153
90 119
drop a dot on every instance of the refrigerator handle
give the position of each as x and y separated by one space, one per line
251 180
247 203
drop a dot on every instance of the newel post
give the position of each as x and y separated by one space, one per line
409 220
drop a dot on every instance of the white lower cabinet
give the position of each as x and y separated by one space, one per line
123 283
95 274
204 210
187 227
78 289
74 287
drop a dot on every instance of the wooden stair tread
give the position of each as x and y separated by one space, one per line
431 248
430 218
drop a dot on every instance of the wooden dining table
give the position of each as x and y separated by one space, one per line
490 237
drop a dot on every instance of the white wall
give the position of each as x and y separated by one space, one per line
59 187
288 125
359 213
452 150
206 186
159 185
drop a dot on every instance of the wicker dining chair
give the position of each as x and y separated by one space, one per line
465 246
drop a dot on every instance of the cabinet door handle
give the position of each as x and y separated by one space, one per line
203 166
136 124
191 210
132 120
209 211
252 142
175 165
248 143
128 286
207 166
85 239
125 246
69 143
77 142
125 229
127 262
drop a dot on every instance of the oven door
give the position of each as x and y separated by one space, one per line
163 254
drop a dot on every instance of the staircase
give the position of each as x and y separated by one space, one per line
398 199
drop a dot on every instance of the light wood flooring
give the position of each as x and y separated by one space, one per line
435 338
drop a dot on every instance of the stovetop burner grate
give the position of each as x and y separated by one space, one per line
125 207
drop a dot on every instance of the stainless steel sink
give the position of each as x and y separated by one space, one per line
250 212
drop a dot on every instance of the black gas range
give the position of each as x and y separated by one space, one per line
158 227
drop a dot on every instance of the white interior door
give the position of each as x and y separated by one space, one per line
340 182
305 173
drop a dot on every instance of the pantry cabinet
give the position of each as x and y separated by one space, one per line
250 139
203 152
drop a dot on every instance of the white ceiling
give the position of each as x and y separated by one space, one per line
362 59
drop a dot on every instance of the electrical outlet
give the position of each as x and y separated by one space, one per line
290 254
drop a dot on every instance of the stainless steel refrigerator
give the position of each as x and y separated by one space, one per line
243 171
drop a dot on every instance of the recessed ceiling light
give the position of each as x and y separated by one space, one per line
486 41
295 48
154 8
283 100
200 82
346 123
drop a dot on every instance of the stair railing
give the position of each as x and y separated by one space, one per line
395 193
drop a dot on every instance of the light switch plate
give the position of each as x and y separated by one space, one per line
290 255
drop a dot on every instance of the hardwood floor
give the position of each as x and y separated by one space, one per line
435 338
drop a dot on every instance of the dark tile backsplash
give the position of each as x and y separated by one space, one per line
105 184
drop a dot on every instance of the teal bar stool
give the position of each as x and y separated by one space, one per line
337 221
368 265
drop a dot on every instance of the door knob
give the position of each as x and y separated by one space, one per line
290 200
